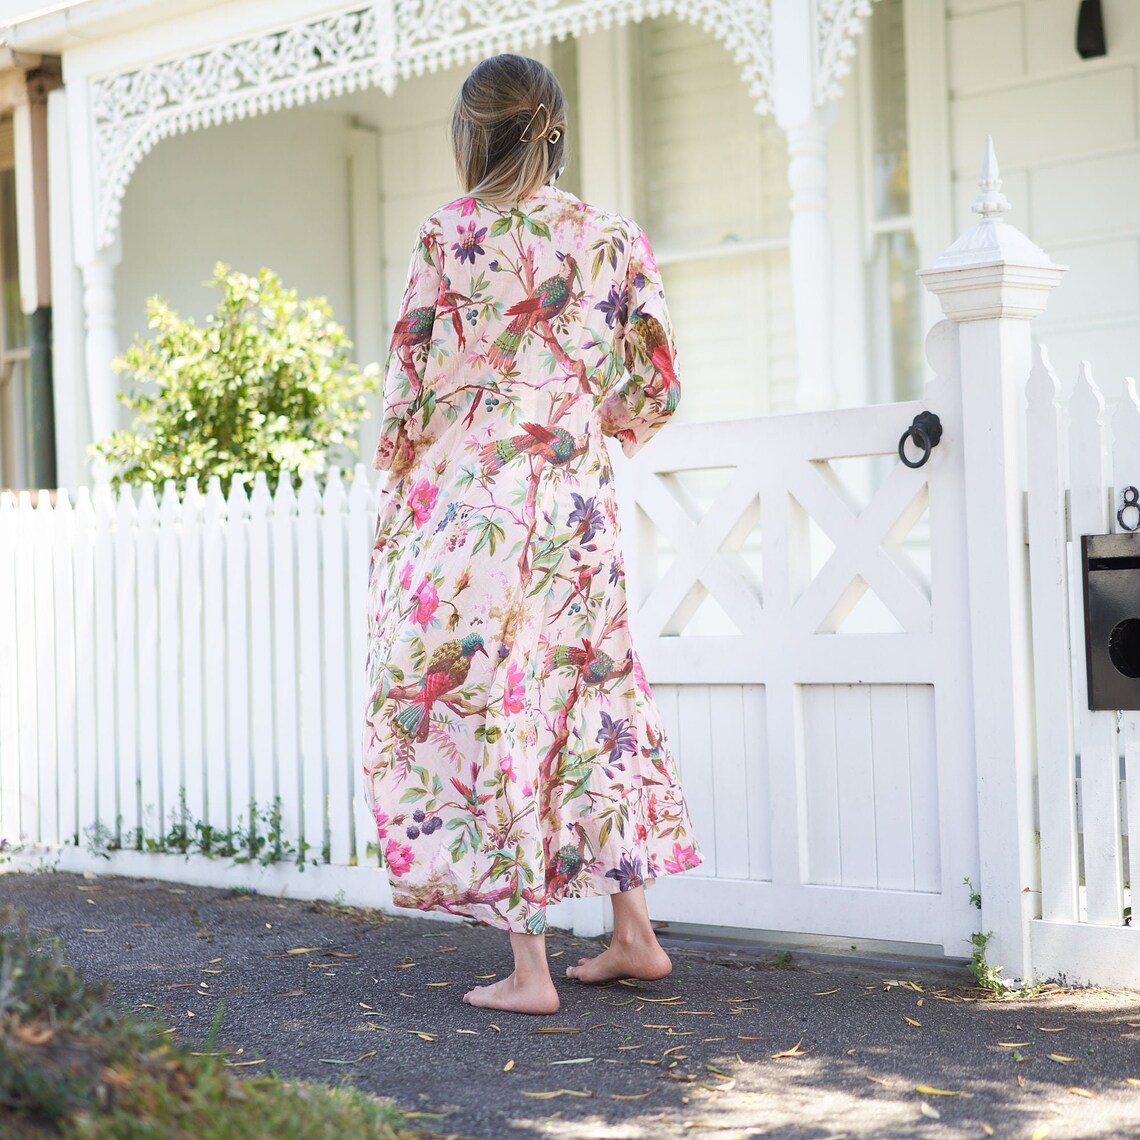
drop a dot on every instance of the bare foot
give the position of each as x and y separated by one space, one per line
537 996
643 960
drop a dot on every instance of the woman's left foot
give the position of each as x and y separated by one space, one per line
535 997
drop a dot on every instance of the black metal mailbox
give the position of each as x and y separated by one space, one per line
1111 572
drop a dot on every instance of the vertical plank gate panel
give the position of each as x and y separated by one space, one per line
729 780
893 798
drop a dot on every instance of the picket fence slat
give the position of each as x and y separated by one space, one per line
216 808
27 675
262 773
1056 750
86 715
63 547
314 783
337 742
238 759
170 581
106 808
285 702
10 717
192 769
1100 789
361 524
150 771
47 738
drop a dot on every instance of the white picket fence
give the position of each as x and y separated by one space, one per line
205 647
1079 459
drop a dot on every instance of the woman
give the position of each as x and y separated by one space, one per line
514 755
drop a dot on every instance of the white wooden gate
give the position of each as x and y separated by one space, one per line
801 609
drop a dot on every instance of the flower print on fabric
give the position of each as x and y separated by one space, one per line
513 752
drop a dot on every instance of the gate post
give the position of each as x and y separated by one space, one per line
992 282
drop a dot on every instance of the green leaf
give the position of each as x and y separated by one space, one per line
500 227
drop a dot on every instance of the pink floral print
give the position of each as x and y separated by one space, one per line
513 752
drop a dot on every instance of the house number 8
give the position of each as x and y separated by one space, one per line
1129 501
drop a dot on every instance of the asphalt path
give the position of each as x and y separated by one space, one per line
735 1043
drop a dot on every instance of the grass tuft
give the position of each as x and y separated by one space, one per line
73 1064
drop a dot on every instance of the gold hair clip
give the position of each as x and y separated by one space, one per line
546 134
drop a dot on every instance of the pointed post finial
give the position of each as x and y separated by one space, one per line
991 203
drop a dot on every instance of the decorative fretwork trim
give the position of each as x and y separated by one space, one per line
369 46
837 23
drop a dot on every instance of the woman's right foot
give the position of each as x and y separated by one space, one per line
538 996
643 960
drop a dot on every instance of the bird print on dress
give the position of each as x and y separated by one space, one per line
513 752
554 444
547 302
446 671
652 344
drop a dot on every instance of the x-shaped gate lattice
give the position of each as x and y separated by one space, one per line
862 557
708 544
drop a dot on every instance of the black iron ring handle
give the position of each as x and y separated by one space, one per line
925 432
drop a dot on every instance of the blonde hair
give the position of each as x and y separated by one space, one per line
508 129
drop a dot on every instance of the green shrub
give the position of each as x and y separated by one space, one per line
265 385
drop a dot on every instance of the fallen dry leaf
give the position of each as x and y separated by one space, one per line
508 1066
304 950
826 993
794 1051
239 1064
362 1057
573 1061
436 985
1061 1059
987 1129
95 930
927 1090
554 1029
1013 1044
290 993
1056 1029
339 954
743 1037
405 966
421 1035
911 1021
556 1093
1040 1132
928 1110
630 1096
1082 1092
1020 1081
1133 1080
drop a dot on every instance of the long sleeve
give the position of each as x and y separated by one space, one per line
408 353
634 411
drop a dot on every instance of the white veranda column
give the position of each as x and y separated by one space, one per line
101 342
811 261
805 125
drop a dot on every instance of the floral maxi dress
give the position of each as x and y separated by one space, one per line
513 752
